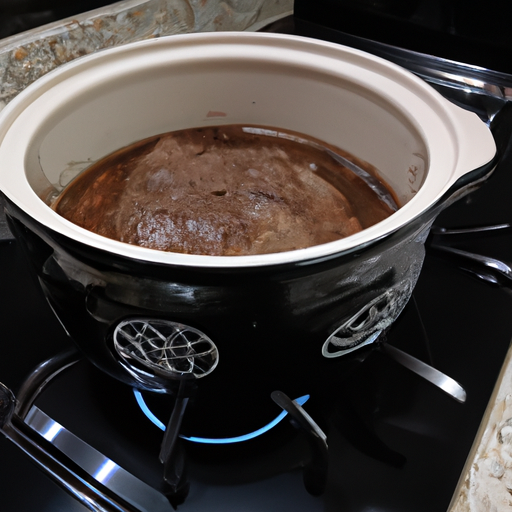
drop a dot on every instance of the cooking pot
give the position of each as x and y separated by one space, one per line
151 318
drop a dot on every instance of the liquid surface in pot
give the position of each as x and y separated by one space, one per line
227 190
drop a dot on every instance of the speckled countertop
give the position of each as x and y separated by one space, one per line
29 55
486 482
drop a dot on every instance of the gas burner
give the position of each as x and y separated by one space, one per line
216 440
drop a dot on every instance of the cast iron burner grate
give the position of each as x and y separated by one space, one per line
491 270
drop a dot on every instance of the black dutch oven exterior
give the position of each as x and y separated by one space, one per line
153 322
295 318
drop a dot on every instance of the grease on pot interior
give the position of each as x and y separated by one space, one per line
227 190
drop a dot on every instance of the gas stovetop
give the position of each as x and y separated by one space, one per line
396 442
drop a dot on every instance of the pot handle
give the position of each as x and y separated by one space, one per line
477 147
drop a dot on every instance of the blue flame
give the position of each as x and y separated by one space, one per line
223 440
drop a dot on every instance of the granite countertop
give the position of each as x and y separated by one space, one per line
27 56
486 482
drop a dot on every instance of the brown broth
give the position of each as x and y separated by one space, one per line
227 190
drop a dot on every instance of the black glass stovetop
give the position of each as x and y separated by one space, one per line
396 442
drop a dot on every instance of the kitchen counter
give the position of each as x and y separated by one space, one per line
486 482
27 56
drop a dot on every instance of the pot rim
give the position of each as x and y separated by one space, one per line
457 140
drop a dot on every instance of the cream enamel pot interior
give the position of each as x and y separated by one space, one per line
307 306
